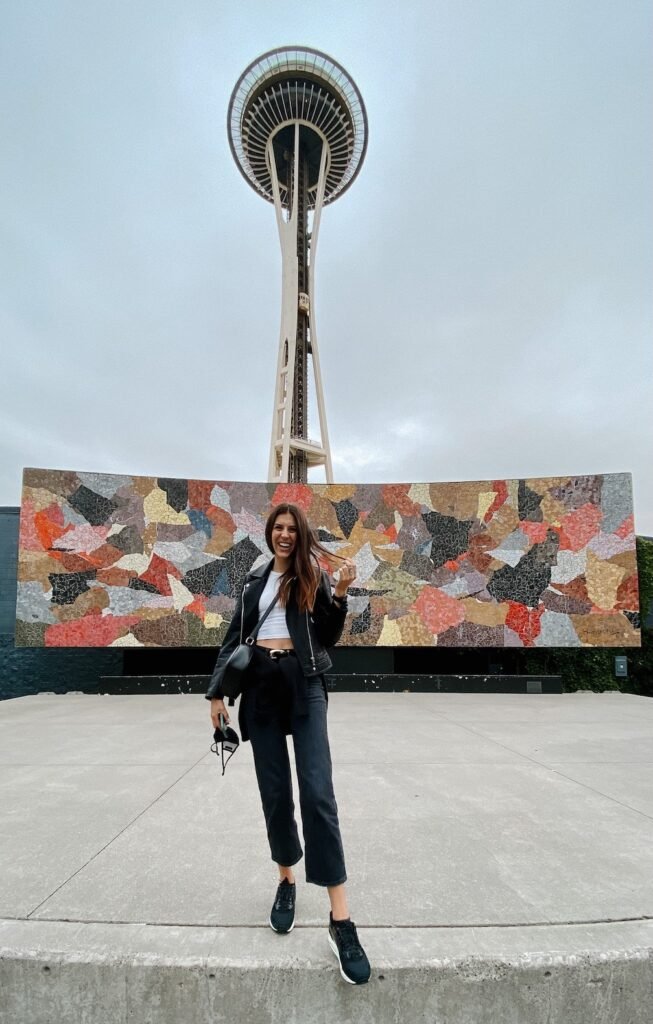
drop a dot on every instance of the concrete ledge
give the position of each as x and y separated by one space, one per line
65 972
350 682
420 683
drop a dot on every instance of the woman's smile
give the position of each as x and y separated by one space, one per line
284 537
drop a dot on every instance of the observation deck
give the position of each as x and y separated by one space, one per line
289 86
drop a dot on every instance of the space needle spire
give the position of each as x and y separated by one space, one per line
298 131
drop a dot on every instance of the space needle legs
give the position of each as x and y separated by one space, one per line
292 453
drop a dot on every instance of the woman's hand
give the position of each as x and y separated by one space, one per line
218 708
346 576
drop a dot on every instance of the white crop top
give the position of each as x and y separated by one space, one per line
275 626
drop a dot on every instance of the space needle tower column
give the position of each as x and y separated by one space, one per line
298 132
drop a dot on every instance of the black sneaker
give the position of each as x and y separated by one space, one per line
282 917
354 965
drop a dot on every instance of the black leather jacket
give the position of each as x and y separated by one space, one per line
310 632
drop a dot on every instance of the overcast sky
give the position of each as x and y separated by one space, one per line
483 288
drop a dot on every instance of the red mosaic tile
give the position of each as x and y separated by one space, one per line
437 610
578 527
90 631
525 622
501 489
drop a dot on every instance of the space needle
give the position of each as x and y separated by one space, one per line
298 131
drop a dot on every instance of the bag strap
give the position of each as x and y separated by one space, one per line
260 622
252 636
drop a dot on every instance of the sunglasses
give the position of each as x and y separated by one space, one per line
225 739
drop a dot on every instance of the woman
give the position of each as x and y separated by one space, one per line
285 693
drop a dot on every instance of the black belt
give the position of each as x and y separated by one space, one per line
275 653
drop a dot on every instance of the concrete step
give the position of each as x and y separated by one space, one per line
63 972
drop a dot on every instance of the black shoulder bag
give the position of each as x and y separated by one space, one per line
238 661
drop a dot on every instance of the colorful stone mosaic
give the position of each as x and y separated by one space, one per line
154 562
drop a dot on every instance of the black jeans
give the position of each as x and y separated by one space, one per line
325 862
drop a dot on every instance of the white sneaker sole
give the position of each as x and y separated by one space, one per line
281 933
335 950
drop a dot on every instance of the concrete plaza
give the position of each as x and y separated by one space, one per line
499 850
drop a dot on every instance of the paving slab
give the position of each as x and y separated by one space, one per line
629 787
616 742
499 851
57 818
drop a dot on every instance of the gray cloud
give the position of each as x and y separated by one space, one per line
484 303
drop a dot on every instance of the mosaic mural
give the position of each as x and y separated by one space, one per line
146 561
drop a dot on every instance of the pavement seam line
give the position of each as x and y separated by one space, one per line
556 771
581 922
585 785
504 746
113 838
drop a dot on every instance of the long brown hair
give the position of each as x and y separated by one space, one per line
304 567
